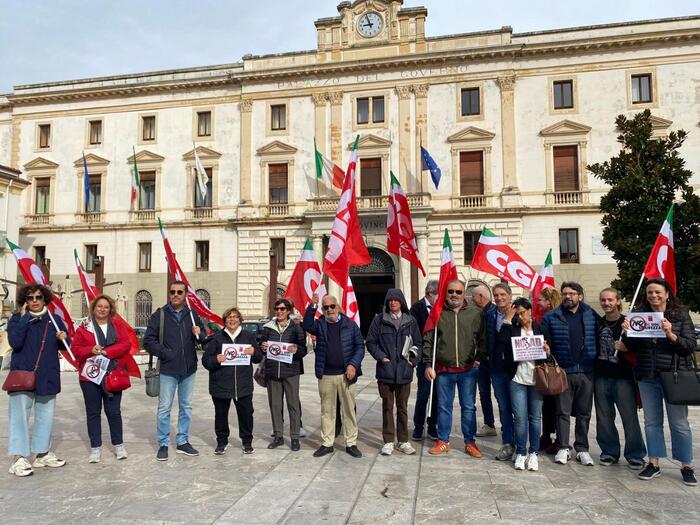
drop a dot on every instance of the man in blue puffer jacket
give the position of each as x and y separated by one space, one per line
570 331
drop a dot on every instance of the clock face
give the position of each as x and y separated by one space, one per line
370 24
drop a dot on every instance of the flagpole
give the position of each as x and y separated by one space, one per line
53 321
634 300
432 381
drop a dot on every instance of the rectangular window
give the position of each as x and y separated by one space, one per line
147 190
278 183
563 94
363 110
641 89
204 123
148 128
199 201
202 255
568 245
471 105
565 168
95 192
90 257
377 109
471 173
278 246
44 135
39 255
278 114
144 257
95 132
43 196
370 177
471 239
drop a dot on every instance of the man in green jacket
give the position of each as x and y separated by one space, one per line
461 346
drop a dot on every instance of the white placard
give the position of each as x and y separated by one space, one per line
235 355
95 368
279 352
645 324
528 348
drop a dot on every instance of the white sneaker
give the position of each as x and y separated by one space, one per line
302 432
585 459
48 460
95 455
532 462
486 431
120 451
519 462
562 456
21 468
406 448
387 449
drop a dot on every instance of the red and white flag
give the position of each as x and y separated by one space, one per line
346 246
349 303
305 279
448 272
544 279
33 275
662 260
175 271
495 257
401 239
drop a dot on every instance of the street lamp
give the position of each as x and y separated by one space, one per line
272 297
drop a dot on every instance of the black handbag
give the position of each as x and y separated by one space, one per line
681 387
152 375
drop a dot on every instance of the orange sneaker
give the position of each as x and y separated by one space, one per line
472 450
441 447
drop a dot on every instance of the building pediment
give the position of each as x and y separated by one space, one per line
92 160
565 127
146 156
368 142
277 147
470 134
659 123
40 163
202 153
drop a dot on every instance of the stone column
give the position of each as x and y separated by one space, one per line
246 107
510 195
404 94
317 241
336 100
320 100
421 180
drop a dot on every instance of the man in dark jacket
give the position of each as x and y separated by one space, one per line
481 297
339 352
420 311
177 356
570 331
393 340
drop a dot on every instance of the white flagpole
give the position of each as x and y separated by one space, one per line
53 321
634 300
432 382
187 302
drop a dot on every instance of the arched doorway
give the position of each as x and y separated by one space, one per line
371 283
144 307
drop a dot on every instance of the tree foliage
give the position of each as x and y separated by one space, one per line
646 176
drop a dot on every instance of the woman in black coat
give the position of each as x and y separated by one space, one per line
228 382
656 355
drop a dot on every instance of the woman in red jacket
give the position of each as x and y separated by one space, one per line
101 337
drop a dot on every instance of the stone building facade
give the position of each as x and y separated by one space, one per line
511 118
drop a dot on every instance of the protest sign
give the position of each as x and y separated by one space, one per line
528 348
95 368
235 355
279 352
646 324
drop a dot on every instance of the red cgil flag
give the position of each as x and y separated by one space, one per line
495 257
305 279
401 239
349 303
662 259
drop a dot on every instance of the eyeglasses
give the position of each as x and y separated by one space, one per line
280 308
35 298
327 307
570 294
455 292
177 292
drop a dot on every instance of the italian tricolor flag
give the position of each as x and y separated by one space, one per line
662 260
544 279
448 272
333 171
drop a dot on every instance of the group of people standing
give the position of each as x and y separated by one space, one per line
470 348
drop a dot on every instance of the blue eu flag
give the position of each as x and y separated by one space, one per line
430 165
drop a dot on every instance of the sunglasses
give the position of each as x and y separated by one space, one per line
177 292
455 292
34 298
327 307
280 308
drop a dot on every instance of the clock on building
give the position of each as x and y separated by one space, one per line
370 24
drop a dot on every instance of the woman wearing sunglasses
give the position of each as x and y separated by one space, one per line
283 377
35 344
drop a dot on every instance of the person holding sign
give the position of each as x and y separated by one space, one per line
228 356
524 347
284 342
35 346
655 355
101 338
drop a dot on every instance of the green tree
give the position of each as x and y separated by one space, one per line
645 178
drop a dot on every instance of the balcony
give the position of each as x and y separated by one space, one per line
274 210
142 215
39 219
93 217
469 201
369 202
568 197
199 213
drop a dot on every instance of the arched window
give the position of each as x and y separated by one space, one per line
144 307
204 296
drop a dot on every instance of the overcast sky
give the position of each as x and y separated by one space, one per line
52 40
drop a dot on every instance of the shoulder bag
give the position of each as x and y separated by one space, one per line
681 387
550 379
25 380
152 375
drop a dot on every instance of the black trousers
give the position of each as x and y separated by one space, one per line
244 410
95 397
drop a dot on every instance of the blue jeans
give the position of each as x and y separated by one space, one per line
501 388
681 437
485 395
527 409
466 386
184 384
19 412
609 393
421 408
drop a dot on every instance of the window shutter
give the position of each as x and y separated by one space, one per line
370 177
278 176
565 168
471 173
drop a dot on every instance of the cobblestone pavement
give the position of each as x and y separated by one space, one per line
280 486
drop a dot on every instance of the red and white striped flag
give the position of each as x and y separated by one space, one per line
349 303
448 272
401 239
662 259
